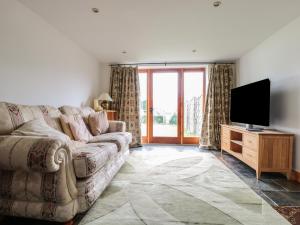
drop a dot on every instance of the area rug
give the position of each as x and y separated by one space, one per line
169 187
291 213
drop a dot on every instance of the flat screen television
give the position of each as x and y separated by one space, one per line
250 104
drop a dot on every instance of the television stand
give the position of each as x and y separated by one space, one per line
250 127
264 151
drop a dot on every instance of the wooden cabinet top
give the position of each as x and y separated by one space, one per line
108 111
264 132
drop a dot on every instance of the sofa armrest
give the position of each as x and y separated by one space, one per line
116 126
28 153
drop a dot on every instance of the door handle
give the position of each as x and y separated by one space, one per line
151 110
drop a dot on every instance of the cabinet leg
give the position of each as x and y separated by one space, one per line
289 175
258 173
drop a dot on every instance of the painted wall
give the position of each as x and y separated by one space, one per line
278 58
105 78
39 65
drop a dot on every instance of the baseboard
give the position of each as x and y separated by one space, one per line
295 176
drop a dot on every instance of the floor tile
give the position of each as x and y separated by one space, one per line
284 198
288 185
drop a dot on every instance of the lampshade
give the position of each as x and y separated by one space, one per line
105 97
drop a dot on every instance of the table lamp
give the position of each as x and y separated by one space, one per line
104 98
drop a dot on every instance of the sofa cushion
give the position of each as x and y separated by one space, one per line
79 129
40 128
90 158
98 123
13 116
64 120
83 111
121 139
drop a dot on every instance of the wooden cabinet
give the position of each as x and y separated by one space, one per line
266 151
111 114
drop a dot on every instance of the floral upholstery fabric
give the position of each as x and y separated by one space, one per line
121 139
64 120
217 107
39 128
37 178
90 189
12 116
49 178
40 210
98 123
79 129
71 110
49 187
32 153
125 91
116 126
83 111
89 159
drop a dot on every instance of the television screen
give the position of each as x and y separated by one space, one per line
250 104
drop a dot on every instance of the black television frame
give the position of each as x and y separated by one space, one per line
257 94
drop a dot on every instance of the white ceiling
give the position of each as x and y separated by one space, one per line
166 30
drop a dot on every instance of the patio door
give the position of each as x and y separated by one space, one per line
172 103
164 107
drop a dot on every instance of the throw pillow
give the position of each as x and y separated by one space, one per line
64 120
79 130
39 128
98 123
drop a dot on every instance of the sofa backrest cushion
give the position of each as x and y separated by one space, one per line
12 116
98 123
65 124
78 128
71 110
39 128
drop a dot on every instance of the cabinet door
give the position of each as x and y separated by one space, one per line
276 152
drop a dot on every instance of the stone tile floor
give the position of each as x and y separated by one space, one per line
274 188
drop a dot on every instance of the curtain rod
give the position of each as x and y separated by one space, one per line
169 63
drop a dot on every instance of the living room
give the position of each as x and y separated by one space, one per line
149 112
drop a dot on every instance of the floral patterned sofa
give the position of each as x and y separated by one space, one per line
47 178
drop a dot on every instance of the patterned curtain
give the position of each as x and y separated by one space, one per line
125 92
217 107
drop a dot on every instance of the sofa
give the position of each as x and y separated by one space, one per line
51 179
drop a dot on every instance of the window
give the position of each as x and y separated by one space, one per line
172 104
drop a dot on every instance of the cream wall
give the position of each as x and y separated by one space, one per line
39 65
105 78
278 58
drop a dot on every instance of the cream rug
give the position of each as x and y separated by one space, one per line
169 187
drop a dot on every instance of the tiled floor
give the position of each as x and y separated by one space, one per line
280 193
273 187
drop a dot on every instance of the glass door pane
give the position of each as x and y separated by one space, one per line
193 103
143 102
165 104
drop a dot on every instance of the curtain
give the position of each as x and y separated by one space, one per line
217 107
125 92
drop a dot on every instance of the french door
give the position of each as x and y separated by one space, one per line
172 104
